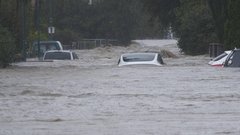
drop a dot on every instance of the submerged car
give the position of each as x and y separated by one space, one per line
59 55
220 59
45 46
233 60
140 59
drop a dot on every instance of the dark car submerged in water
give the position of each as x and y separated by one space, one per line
233 59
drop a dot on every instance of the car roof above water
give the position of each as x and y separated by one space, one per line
140 59
60 55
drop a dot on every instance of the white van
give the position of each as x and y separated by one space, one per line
45 46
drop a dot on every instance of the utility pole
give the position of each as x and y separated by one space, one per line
37 16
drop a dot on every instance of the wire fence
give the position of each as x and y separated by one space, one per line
91 44
215 49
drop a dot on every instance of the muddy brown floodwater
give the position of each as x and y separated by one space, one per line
93 96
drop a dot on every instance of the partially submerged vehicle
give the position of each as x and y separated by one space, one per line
45 46
140 59
233 59
59 55
220 59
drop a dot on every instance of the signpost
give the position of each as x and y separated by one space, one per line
90 2
51 31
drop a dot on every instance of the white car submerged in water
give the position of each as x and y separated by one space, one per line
59 55
140 59
220 59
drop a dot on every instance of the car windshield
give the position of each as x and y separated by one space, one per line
47 46
58 56
220 56
138 57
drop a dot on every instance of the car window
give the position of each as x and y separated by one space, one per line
58 56
138 57
45 47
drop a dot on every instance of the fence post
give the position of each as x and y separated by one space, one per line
215 49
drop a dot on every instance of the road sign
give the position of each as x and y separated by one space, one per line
51 30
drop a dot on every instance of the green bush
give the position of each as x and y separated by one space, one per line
196 27
7 47
232 27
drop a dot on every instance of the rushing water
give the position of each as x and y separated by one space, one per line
93 96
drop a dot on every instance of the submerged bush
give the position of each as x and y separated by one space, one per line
7 47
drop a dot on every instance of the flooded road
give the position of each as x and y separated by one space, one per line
93 96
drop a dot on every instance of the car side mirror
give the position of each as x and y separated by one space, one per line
229 62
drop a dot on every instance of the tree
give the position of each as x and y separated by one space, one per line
163 9
189 19
219 13
7 47
120 20
12 18
232 27
196 27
